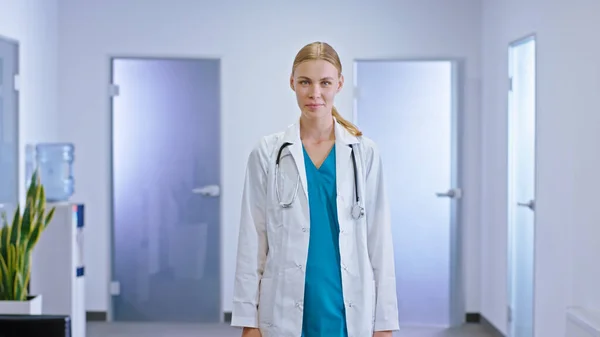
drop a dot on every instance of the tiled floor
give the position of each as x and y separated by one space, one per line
97 329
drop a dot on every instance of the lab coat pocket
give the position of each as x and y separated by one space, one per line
274 226
266 303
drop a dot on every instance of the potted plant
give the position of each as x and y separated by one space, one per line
17 240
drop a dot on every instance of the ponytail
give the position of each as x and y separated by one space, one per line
346 124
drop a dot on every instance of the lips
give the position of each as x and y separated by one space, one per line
313 106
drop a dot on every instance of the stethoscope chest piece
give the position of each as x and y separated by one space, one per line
286 205
357 211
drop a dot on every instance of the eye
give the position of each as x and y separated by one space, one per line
303 82
326 83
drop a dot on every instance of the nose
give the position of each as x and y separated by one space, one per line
315 91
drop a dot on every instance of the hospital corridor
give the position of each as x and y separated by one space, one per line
322 168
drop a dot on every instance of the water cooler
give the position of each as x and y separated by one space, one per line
58 267
57 272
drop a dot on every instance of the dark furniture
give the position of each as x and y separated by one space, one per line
35 326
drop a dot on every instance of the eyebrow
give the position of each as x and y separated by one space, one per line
324 78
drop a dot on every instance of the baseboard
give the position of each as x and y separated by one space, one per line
473 317
100 316
95 316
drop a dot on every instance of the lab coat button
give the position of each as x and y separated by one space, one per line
304 229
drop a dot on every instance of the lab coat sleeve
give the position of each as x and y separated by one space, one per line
252 241
379 241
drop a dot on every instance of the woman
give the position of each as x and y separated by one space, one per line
315 255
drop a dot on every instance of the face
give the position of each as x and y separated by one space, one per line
316 83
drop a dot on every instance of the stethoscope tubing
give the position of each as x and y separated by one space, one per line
287 205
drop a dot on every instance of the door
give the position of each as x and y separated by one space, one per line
409 109
9 128
166 190
521 186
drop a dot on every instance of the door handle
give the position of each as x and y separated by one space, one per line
530 204
454 193
208 190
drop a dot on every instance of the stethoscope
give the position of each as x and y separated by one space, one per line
357 210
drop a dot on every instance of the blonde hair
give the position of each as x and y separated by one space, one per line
323 51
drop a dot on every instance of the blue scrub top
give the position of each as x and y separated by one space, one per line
324 314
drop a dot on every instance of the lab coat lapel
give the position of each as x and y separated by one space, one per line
292 135
343 160
343 164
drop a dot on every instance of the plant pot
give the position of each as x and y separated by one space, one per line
33 306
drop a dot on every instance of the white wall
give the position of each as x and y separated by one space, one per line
33 24
257 42
568 160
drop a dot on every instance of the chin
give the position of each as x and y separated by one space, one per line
318 113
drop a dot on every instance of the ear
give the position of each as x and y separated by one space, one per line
292 83
340 84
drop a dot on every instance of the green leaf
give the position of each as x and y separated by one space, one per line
4 295
34 236
32 184
49 216
17 240
4 234
26 226
16 226
6 237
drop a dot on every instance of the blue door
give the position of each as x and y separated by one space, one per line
9 148
409 108
521 187
166 190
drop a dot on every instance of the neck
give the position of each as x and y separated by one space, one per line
317 129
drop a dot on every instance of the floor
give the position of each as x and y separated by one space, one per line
98 329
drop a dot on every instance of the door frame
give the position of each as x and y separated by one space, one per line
509 244
110 79
20 175
457 294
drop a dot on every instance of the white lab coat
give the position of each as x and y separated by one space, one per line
273 241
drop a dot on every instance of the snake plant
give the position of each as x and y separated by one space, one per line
17 240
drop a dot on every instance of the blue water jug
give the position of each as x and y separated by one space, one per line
55 165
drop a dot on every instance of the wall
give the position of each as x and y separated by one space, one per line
567 158
257 43
33 24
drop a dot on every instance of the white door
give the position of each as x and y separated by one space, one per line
409 109
521 186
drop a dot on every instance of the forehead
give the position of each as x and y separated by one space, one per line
316 69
